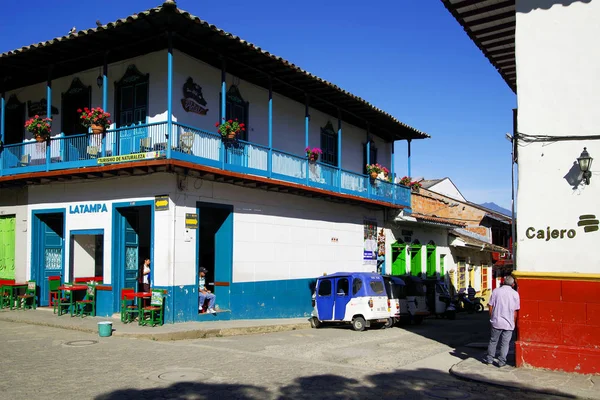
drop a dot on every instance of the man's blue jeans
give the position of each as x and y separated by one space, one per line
204 296
502 336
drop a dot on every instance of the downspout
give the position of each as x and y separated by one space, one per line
173 258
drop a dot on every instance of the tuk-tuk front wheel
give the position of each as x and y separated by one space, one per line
358 324
315 323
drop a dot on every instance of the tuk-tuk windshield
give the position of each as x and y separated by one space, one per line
377 287
443 289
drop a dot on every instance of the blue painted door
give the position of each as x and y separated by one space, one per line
132 244
48 254
325 299
342 297
223 260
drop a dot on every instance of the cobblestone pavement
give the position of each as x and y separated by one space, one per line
412 363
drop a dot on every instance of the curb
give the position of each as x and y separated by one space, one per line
173 336
466 377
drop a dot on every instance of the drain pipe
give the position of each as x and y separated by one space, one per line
173 263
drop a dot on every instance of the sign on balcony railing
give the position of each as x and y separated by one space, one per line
151 155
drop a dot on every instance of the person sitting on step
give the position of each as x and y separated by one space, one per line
204 294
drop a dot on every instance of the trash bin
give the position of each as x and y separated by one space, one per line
104 328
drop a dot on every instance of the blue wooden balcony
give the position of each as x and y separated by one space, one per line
150 141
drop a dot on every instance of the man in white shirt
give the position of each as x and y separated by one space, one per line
504 306
204 294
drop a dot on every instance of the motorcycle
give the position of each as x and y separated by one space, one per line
463 303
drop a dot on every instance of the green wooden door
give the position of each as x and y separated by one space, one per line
7 247
442 260
415 259
398 259
431 261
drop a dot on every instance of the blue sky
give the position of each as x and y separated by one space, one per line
409 58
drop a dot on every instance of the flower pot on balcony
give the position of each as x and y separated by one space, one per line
230 136
313 157
374 175
96 129
40 138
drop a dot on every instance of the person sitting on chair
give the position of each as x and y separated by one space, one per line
204 294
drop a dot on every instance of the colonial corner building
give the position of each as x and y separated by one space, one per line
161 183
546 52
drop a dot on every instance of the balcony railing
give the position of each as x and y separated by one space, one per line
149 141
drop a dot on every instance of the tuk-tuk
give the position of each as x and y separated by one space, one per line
350 297
439 299
416 297
396 292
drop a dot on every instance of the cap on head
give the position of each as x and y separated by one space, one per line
509 280
202 269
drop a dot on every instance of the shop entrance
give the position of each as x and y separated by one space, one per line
86 254
48 248
132 244
215 249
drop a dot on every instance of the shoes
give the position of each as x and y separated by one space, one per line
211 311
502 365
486 361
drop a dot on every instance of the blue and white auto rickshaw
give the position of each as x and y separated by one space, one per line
359 298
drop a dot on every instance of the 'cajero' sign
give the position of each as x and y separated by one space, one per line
548 234
588 222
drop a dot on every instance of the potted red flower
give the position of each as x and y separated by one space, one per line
95 118
230 129
40 127
313 154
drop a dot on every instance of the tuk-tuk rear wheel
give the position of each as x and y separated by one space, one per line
358 324
315 323
389 323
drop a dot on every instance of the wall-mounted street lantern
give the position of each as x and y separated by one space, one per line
99 81
585 163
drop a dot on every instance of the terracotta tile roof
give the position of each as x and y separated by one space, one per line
439 220
170 6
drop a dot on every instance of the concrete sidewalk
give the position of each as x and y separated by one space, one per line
570 385
181 331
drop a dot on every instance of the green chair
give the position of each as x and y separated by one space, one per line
5 293
53 292
87 306
155 310
129 310
64 300
30 294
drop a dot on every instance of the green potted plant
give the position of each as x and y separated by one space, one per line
229 129
40 127
96 118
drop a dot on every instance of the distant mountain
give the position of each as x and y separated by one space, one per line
497 208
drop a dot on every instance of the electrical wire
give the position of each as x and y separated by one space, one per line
524 137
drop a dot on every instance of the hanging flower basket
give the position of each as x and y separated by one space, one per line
313 154
40 127
230 129
408 182
95 118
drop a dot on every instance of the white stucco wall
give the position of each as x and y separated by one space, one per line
559 85
423 234
154 64
447 188
288 115
108 191
276 236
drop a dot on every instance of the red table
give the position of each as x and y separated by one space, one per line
140 296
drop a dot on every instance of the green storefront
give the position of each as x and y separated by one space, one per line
7 247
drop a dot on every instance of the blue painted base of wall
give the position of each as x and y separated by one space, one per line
249 300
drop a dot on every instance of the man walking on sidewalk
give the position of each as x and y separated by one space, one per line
504 305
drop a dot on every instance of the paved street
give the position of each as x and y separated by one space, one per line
40 362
